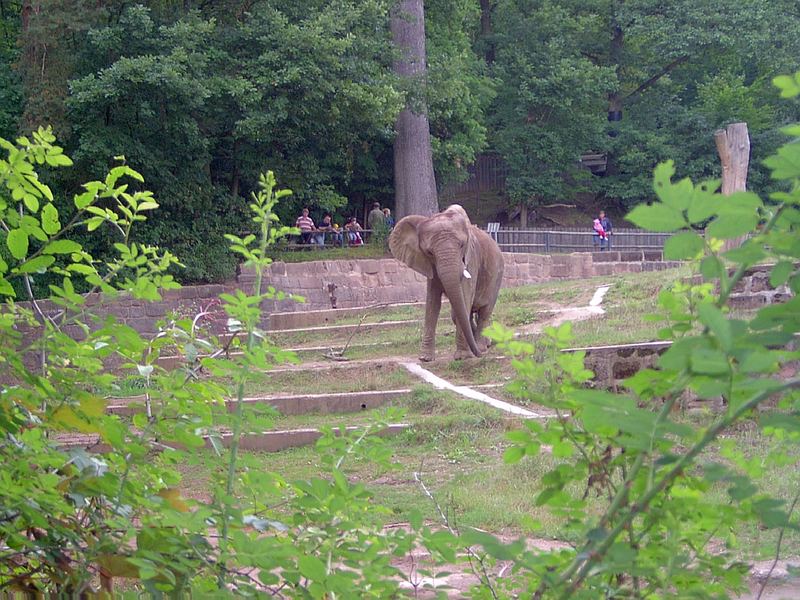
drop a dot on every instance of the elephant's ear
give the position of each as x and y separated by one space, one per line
404 244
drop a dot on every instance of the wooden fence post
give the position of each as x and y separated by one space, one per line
733 145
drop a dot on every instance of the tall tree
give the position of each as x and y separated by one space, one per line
414 179
10 85
550 105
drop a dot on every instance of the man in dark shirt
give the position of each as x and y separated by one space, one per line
376 219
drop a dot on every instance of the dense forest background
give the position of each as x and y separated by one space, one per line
201 96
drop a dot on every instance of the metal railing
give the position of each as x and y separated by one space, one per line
332 239
574 240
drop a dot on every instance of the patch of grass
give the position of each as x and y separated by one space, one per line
475 372
384 314
338 379
627 302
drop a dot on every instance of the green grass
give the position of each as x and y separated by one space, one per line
627 302
336 379
456 446
629 299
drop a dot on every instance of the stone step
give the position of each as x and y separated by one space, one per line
265 441
298 404
361 327
280 321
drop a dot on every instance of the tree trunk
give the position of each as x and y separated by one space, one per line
235 172
487 7
733 145
414 180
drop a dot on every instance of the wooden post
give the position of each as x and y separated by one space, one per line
733 145
523 216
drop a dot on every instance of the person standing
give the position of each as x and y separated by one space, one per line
376 219
606 223
327 227
389 219
602 231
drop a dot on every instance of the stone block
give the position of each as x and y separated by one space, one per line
561 271
158 309
747 301
297 269
759 282
370 267
741 286
623 369
780 298
635 267
631 256
604 269
601 371
653 255
143 325
603 257
276 269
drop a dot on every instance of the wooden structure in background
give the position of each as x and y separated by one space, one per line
487 174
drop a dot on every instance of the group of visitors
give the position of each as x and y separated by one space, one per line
380 218
311 234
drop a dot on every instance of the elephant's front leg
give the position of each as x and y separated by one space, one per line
484 316
462 347
433 305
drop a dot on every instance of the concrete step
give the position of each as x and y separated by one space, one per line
280 321
265 441
297 404
342 329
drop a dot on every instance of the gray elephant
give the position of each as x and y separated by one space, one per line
459 260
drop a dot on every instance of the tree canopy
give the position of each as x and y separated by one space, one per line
201 97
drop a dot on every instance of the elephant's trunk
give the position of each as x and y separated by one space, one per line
450 268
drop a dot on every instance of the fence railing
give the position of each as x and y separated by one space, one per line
575 240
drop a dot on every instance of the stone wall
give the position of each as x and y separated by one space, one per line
611 364
377 281
755 291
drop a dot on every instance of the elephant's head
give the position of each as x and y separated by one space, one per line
441 246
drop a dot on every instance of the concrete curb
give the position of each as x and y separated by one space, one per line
265 441
299 404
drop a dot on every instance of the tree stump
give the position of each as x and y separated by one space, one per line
733 146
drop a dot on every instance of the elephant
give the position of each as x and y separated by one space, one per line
459 260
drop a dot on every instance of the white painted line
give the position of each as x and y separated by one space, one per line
597 299
467 392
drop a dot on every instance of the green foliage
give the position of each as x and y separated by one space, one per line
550 103
676 73
69 517
666 500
